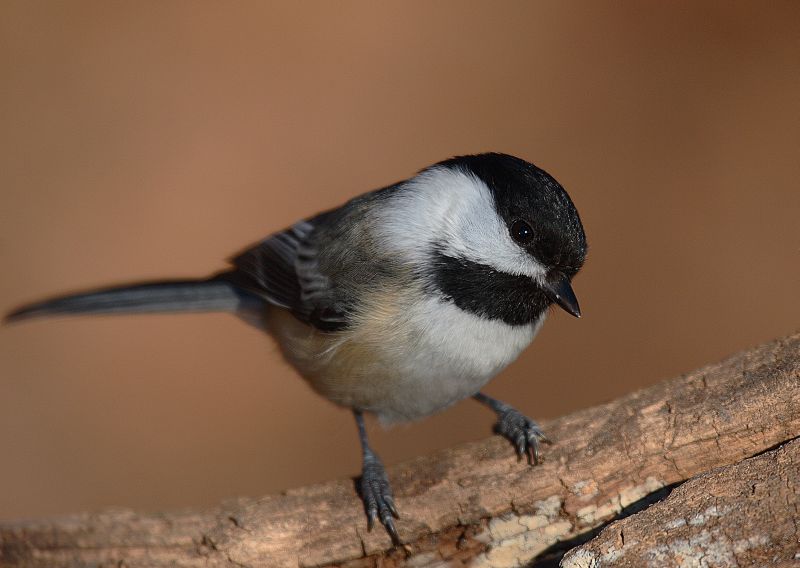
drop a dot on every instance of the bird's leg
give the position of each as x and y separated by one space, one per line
374 486
520 430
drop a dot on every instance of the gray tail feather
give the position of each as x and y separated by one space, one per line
212 295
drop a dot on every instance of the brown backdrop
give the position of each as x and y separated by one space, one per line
155 139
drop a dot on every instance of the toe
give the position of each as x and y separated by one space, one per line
520 443
390 505
533 451
371 507
379 502
392 530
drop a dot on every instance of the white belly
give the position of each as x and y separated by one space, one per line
407 363
451 356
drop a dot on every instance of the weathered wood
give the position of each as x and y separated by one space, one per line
746 514
475 502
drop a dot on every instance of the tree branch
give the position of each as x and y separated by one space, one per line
740 515
474 502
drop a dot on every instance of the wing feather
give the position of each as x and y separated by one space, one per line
283 268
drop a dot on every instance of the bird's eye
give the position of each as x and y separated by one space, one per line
521 232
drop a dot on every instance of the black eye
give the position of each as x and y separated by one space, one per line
521 232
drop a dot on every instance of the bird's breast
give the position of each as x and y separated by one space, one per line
403 358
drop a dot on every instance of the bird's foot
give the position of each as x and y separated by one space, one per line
373 486
521 431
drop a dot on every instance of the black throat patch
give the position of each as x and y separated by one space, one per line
489 293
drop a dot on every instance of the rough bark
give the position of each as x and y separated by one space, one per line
747 514
474 503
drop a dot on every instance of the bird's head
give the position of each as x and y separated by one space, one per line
500 237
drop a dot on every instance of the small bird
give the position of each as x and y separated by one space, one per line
401 302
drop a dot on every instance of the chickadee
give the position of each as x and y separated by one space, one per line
401 302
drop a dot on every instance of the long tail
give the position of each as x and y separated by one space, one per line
212 295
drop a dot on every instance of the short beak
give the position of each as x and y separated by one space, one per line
561 293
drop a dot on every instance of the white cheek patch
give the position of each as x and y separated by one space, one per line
455 210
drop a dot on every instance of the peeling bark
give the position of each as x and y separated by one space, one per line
475 503
747 514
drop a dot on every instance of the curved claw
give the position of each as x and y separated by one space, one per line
521 444
386 510
390 528
390 505
533 451
534 438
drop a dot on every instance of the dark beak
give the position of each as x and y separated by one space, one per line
561 293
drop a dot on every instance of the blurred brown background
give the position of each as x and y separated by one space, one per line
144 139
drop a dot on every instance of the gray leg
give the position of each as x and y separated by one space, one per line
520 430
374 486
